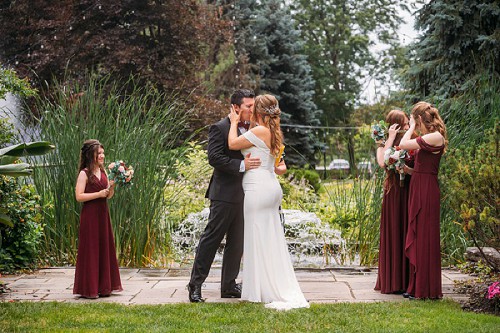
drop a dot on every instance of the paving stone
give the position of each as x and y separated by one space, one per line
164 286
151 273
59 297
170 284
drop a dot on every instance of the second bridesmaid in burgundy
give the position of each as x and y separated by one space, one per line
393 264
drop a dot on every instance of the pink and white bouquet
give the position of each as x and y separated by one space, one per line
395 159
379 132
120 173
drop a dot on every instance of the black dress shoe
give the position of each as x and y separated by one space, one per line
234 292
195 294
406 295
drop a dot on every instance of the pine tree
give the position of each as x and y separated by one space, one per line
273 61
460 40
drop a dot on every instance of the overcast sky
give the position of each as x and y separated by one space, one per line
407 34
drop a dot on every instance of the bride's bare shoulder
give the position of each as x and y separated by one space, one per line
259 129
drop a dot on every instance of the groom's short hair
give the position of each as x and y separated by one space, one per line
239 94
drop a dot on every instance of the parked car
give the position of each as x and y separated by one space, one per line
365 168
338 164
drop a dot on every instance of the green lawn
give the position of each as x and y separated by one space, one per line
407 316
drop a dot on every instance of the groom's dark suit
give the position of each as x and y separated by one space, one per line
225 192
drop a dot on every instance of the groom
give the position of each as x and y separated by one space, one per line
225 192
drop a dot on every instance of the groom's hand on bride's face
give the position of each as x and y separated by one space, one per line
251 162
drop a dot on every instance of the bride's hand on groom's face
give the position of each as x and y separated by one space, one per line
234 117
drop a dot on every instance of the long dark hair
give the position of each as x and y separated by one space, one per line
88 157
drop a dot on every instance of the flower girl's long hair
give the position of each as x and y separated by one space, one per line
88 157
266 106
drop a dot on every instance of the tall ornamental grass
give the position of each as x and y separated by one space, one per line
136 124
353 206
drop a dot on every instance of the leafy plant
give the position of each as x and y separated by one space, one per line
311 176
186 191
472 178
11 83
20 240
6 131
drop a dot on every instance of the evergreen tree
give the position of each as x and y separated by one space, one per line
271 52
460 40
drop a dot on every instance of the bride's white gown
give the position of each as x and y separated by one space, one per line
268 274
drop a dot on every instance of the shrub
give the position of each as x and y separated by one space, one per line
311 176
473 185
6 132
19 245
186 191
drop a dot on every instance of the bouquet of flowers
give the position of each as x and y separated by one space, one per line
379 132
121 173
395 159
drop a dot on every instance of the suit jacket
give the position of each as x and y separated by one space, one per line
225 183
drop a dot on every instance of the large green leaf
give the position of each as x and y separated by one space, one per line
7 159
15 170
4 219
30 148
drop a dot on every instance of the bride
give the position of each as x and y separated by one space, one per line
268 274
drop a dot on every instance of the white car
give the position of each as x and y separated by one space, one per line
338 164
365 167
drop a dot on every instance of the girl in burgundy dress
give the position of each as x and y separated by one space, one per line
393 264
422 240
97 271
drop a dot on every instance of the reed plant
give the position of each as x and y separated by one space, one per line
353 206
136 124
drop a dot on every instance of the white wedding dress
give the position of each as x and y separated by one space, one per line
268 274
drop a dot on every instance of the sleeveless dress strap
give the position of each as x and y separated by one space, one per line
425 146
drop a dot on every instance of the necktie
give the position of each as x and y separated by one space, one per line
244 124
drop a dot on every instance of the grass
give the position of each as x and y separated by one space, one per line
418 316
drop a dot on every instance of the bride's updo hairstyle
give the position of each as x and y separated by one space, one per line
266 106
427 116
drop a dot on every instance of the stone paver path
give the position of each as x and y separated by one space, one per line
162 286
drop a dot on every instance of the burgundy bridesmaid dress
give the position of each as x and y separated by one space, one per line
97 271
423 239
393 265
